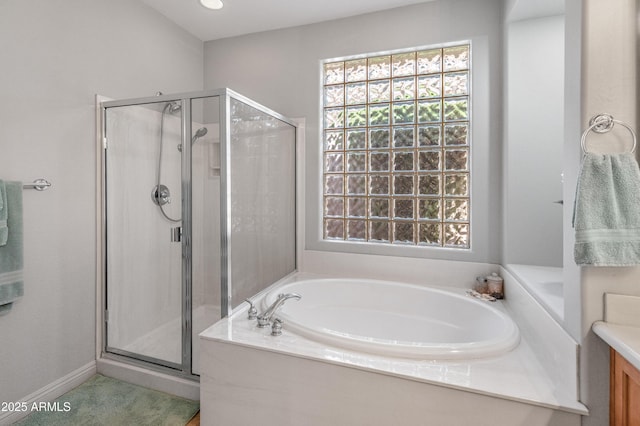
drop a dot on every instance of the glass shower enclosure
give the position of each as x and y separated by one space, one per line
198 214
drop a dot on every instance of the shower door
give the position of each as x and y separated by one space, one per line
144 216
198 214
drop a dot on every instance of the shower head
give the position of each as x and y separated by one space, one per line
172 107
199 133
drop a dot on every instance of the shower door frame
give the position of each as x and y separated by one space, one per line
224 95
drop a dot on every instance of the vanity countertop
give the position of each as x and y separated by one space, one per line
621 326
625 339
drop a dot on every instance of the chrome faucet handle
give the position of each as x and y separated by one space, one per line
252 313
276 327
264 319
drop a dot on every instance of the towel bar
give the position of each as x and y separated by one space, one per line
38 184
602 123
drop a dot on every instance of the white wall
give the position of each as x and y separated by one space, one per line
281 69
609 84
56 55
534 116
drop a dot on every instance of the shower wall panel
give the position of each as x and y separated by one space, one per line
262 157
205 206
206 218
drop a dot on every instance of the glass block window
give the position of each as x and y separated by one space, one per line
396 148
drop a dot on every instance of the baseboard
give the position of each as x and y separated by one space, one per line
151 379
51 391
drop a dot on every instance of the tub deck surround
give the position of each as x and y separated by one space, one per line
545 284
241 386
515 377
555 349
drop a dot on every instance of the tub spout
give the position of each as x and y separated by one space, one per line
264 319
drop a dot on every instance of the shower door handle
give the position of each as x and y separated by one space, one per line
176 234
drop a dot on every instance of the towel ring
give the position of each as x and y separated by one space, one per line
602 123
38 184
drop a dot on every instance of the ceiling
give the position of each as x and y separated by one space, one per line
239 17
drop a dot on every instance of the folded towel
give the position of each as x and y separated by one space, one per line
4 230
606 214
11 254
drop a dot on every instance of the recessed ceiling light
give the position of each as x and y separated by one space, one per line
212 4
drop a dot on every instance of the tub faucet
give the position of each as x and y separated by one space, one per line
264 319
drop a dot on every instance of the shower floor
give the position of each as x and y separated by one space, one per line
165 342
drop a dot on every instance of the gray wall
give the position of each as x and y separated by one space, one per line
534 116
281 69
56 55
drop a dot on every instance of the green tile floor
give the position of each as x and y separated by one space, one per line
105 401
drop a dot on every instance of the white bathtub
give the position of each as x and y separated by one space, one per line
395 319
299 377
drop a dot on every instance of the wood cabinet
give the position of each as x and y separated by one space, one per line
624 407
